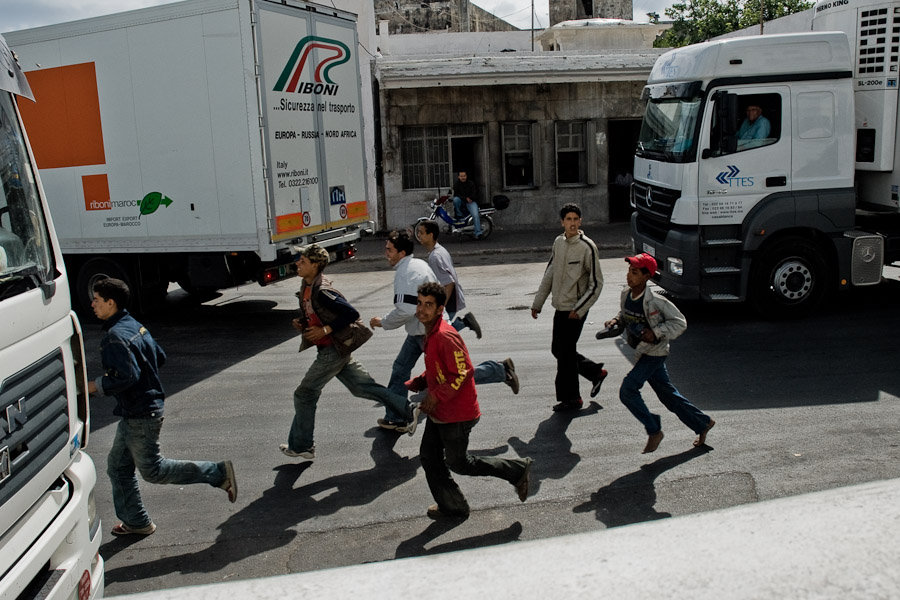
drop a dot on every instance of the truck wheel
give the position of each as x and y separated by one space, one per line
789 279
90 273
487 227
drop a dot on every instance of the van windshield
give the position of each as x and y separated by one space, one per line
669 129
25 257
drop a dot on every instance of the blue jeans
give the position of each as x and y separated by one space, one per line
444 448
136 444
652 369
328 365
472 209
489 371
457 324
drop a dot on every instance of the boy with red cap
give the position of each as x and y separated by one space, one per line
649 323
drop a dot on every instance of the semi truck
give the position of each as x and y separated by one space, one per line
784 211
49 527
203 142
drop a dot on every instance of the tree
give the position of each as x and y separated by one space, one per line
699 20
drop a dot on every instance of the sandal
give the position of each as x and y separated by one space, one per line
123 529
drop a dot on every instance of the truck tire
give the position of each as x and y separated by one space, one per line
789 279
90 273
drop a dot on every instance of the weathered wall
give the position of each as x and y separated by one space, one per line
569 10
406 16
491 106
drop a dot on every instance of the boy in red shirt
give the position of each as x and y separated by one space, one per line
452 408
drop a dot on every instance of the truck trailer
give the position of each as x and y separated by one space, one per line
202 142
767 166
49 527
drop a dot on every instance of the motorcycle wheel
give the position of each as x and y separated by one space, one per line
487 227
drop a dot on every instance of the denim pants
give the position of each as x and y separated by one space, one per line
136 444
328 365
652 369
472 208
457 324
569 363
444 448
489 371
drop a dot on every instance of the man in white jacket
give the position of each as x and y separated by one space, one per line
574 278
649 323
409 274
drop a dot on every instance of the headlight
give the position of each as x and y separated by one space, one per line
93 520
675 266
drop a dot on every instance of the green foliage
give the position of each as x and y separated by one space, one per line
699 20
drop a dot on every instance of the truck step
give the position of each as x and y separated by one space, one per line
722 242
723 298
721 270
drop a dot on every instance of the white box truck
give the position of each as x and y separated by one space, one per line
49 528
767 167
200 142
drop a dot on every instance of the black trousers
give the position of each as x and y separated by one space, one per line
569 363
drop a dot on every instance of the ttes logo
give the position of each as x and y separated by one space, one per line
331 53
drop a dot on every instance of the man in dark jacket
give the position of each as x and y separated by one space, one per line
131 359
332 325
465 200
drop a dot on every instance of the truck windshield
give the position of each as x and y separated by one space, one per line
668 131
25 258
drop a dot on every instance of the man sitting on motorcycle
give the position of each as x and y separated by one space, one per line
465 191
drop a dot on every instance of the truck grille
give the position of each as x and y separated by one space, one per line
34 421
653 202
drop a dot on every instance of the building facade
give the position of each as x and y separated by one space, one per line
540 127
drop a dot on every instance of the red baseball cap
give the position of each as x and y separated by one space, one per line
642 261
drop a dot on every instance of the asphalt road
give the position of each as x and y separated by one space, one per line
800 406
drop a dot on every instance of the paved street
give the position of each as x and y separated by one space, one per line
801 406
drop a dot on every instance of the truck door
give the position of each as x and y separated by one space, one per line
734 179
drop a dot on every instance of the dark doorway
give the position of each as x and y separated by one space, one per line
466 155
623 137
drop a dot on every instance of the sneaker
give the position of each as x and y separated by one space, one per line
410 427
392 425
308 454
123 529
512 380
568 406
472 323
230 483
434 512
522 485
595 389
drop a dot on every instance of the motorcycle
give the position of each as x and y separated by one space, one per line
463 225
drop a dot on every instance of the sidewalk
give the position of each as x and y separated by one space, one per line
612 240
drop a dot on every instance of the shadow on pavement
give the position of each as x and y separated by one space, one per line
266 523
631 498
416 545
550 439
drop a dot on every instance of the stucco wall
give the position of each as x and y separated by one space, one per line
491 106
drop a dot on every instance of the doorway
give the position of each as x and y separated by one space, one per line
467 154
623 138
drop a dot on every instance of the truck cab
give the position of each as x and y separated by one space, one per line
754 179
49 528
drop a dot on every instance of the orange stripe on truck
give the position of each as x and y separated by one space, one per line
357 209
63 123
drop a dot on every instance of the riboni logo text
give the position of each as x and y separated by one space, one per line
329 54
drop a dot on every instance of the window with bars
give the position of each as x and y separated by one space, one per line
571 154
518 156
425 152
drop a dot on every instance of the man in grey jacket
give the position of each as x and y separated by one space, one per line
649 323
574 278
